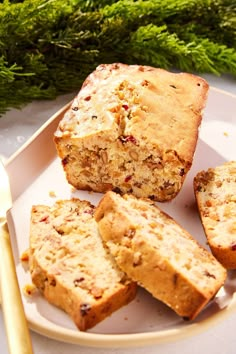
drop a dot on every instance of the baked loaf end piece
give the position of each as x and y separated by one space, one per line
70 266
215 191
132 129
156 252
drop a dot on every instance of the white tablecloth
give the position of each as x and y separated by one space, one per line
15 128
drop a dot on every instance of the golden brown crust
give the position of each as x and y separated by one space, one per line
133 129
156 252
70 266
215 191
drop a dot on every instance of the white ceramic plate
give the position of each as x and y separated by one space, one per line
35 171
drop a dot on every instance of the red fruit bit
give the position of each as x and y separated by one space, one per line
44 219
125 106
65 161
88 98
128 178
89 211
233 247
128 138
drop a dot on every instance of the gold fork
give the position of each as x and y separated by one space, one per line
18 336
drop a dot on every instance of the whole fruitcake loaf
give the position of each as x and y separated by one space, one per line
158 253
70 266
215 191
132 129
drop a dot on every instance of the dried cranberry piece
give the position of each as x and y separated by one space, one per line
128 178
44 218
128 138
233 247
89 211
125 106
65 160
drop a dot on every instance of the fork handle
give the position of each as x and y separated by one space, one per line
18 336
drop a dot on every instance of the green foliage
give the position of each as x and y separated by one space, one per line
48 47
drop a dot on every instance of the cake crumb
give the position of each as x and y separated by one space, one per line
25 256
226 134
29 289
52 194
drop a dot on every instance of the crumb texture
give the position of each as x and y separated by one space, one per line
215 191
132 129
158 253
70 265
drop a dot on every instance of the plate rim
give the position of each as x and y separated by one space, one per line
134 339
127 339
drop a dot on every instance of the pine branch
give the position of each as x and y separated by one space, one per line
158 47
48 47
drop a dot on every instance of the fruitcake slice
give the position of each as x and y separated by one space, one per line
215 191
158 253
70 266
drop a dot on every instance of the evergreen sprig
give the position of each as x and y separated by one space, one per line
48 47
